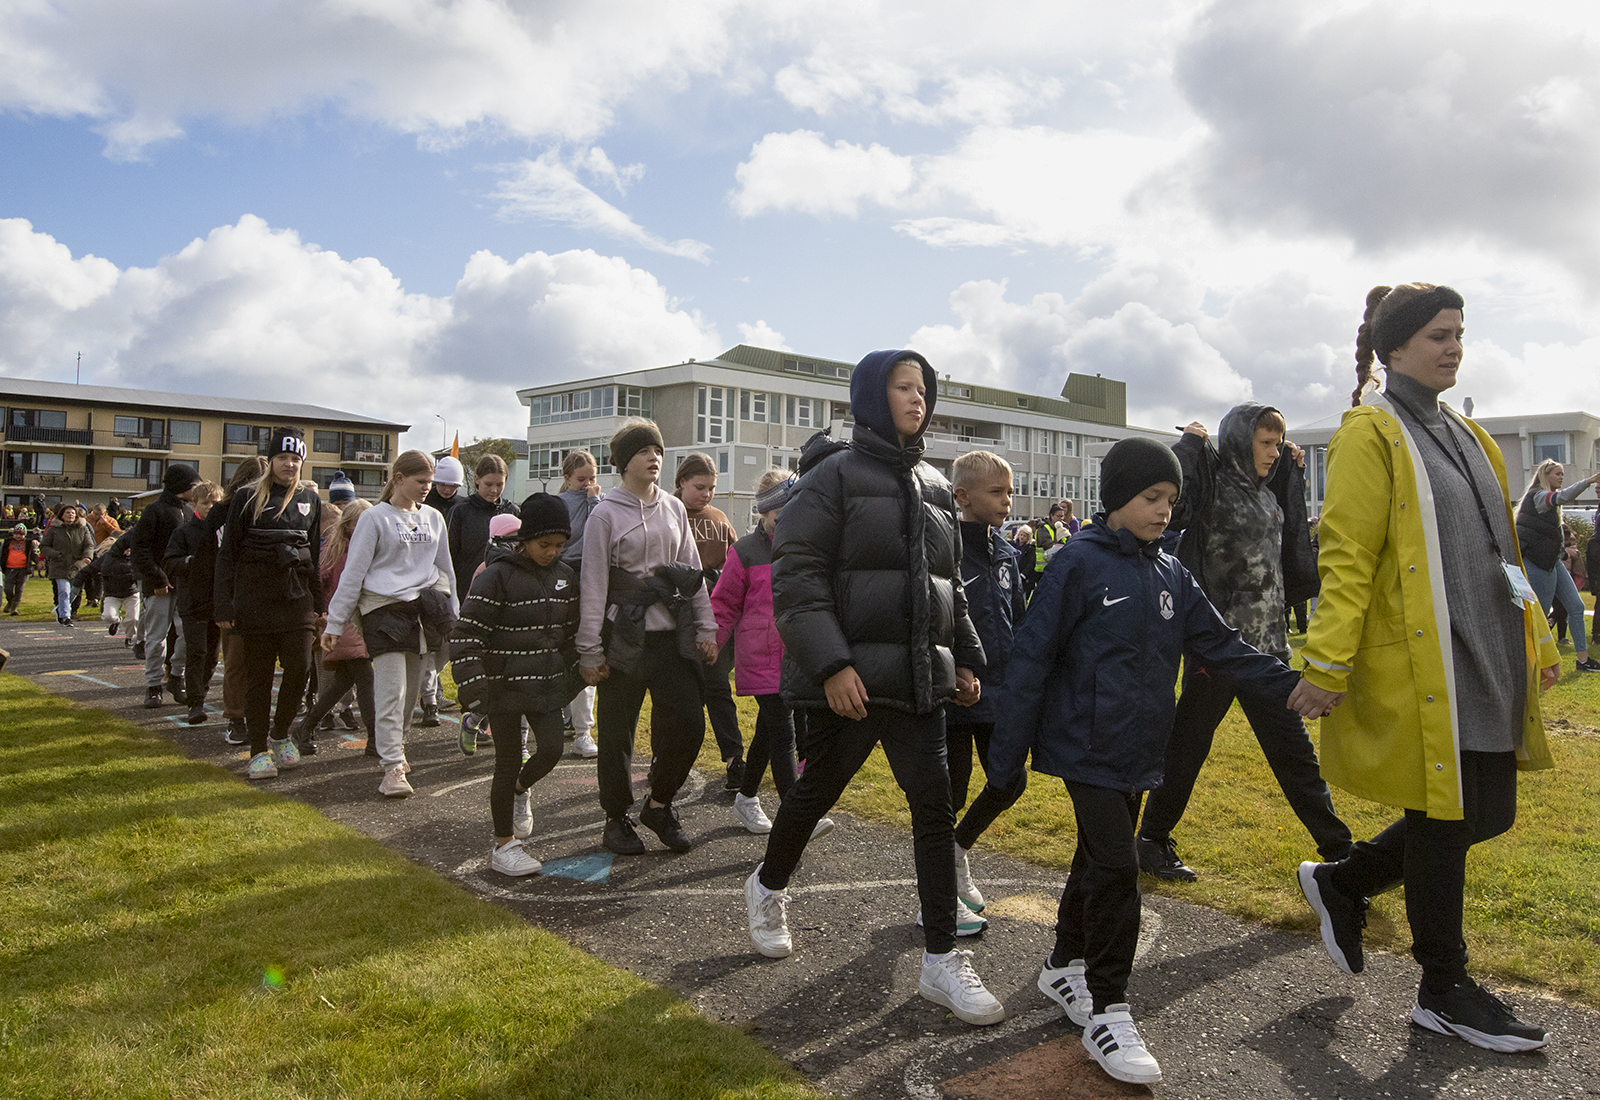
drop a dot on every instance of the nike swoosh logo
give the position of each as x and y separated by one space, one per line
1108 601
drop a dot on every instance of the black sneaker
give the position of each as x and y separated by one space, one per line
197 713
1469 1011
112 629
328 722
175 686
430 715
236 734
152 697
1160 858
1591 665
733 780
138 650
1342 918
621 838
347 718
303 738
372 745
663 821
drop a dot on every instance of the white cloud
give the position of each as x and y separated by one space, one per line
257 312
801 171
762 335
547 189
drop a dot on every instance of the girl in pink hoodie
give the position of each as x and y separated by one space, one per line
743 603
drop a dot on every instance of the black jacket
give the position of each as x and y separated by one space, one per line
991 578
115 566
467 527
267 575
1591 562
443 504
865 565
190 561
1539 532
516 642
151 534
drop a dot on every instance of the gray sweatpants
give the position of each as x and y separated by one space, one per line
156 617
396 679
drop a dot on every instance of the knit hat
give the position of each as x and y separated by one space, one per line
286 440
543 514
341 489
503 524
633 439
777 496
20 529
1400 324
179 478
449 472
1131 466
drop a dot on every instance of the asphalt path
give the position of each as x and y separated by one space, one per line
1230 1009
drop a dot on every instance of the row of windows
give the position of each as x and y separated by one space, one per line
589 404
544 459
187 432
823 370
1044 441
714 413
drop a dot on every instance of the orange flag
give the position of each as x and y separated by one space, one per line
455 447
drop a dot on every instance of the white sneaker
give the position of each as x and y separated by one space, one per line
1112 1038
966 889
285 753
968 923
510 859
748 812
1065 985
769 927
949 980
822 828
584 746
522 815
394 783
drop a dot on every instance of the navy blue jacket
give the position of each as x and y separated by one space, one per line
991 577
1090 686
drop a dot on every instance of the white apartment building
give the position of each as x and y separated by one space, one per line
751 408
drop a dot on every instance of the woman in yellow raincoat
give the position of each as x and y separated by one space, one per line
1428 635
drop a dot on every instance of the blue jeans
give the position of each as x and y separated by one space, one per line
63 599
1556 584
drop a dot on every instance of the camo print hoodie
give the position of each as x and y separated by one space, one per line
1233 543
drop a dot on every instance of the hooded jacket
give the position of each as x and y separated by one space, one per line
444 504
865 569
991 577
151 534
65 547
743 603
190 560
516 640
1089 688
467 528
1238 535
115 566
579 504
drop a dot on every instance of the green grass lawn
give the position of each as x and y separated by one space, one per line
1531 914
165 931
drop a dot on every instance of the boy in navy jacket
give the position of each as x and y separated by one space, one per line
1089 692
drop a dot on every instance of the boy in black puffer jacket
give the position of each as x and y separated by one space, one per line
515 655
866 590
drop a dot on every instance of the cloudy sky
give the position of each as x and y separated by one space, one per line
410 208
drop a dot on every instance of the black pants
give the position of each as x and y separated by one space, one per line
677 726
1283 739
1098 920
510 773
990 804
290 648
961 740
773 741
720 707
1430 857
15 579
202 639
915 747
352 672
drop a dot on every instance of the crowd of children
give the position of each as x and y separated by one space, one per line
876 604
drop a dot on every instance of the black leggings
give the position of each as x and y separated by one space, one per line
960 741
352 672
677 728
1098 919
1430 857
511 775
290 648
774 741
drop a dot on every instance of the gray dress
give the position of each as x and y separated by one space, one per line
1487 637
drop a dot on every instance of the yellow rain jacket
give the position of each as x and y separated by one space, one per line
1381 632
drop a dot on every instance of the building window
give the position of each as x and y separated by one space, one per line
1091 484
722 462
1016 438
228 470
326 442
1551 445
43 462
38 418
323 475
365 447
148 469
1044 442
1069 445
1069 487
366 478
1044 485
713 424
954 389
185 431
140 427
245 434
798 410
633 401
544 459
555 408
753 406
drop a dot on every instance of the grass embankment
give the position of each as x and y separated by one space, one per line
1530 916
38 605
165 930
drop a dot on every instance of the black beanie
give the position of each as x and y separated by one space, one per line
631 440
1132 466
179 478
543 514
286 441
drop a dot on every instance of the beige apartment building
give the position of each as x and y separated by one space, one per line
750 408
93 443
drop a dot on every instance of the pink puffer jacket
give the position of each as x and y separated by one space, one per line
743 603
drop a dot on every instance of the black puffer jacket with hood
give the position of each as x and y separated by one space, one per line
516 642
865 561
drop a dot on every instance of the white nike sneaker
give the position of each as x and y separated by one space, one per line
966 889
949 980
769 925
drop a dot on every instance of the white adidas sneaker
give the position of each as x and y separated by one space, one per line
1112 1039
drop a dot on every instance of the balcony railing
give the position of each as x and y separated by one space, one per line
17 480
83 437
351 453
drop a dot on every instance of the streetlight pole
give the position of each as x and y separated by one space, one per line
444 437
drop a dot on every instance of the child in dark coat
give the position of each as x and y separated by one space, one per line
515 656
1089 692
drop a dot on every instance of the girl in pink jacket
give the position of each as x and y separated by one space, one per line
743 603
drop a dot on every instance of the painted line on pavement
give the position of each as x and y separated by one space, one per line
469 871
91 679
67 672
442 791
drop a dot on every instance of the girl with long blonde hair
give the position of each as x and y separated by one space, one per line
1539 530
